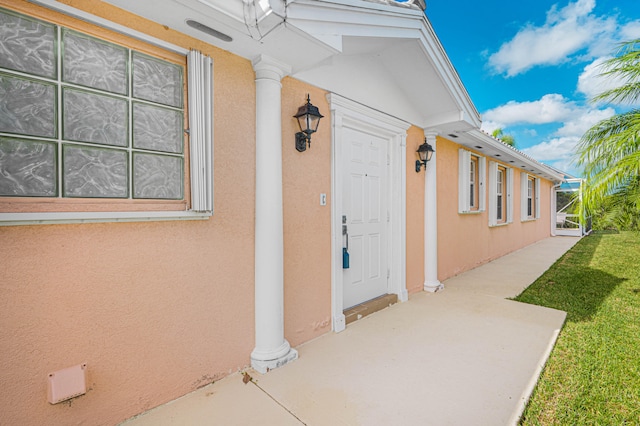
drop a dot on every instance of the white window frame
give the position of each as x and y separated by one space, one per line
501 195
524 197
464 182
473 172
200 82
507 188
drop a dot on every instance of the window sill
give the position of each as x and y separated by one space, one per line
529 219
471 212
497 225
14 219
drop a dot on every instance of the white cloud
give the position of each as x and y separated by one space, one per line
489 126
573 119
558 153
585 119
630 31
570 33
554 149
591 83
565 32
550 108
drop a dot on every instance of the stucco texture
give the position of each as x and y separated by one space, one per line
158 309
466 240
415 213
307 224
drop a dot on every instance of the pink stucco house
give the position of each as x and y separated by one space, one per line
159 224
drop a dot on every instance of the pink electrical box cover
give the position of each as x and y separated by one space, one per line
67 383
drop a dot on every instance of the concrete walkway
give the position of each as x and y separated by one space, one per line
462 356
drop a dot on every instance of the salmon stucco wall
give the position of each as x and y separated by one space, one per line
159 309
466 240
415 213
307 224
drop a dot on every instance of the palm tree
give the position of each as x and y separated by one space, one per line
620 210
610 150
508 139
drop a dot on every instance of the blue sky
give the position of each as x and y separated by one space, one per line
531 67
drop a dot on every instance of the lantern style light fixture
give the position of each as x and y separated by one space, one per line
308 117
425 152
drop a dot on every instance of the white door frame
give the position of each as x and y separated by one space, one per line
571 232
346 113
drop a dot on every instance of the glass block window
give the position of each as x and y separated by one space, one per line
28 45
82 117
28 167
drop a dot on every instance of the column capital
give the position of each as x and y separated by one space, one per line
430 135
267 67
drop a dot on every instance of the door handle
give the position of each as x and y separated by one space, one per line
345 231
345 250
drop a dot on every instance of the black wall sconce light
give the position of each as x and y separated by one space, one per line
425 152
308 118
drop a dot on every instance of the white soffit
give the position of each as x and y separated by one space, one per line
487 145
384 56
390 59
256 28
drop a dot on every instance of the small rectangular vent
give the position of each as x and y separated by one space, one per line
67 383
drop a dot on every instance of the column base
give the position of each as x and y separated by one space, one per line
339 323
264 366
433 286
403 296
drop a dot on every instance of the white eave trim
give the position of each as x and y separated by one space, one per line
104 23
490 143
369 19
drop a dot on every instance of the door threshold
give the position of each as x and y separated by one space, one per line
374 305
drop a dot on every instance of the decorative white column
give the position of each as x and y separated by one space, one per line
431 283
272 350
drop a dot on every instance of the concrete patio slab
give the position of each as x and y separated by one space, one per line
227 402
462 356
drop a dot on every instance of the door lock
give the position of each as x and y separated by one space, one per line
345 248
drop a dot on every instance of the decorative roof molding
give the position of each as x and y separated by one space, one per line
413 4
491 147
337 21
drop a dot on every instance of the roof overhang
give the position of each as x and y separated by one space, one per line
379 53
388 58
382 54
491 147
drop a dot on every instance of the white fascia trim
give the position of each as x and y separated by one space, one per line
322 18
435 52
360 4
87 17
14 219
513 152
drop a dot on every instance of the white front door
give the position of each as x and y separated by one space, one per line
366 208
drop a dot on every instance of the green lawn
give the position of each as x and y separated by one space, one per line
593 374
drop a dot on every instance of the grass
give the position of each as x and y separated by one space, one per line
593 374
